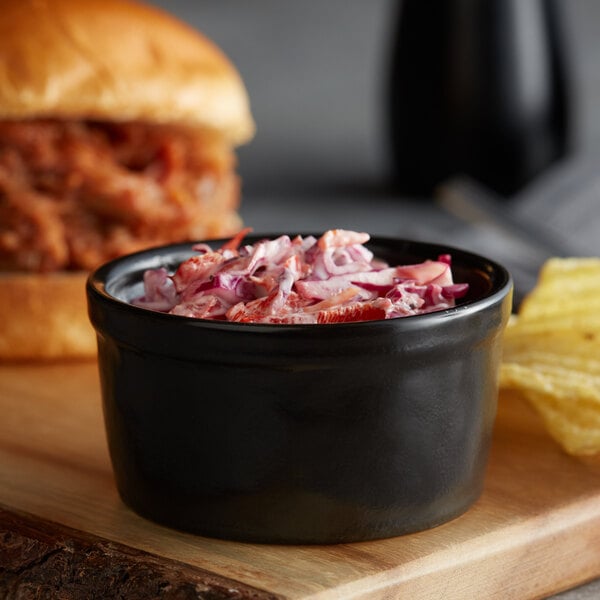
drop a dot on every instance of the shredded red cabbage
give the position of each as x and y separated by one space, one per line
332 279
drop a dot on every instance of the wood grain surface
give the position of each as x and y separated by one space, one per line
535 530
43 559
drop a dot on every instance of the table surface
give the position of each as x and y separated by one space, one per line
535 530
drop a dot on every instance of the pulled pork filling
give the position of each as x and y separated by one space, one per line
332 279
74 194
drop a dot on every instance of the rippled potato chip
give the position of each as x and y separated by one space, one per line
552 352
567 295
567 399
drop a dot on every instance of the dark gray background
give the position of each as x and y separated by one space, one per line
316 71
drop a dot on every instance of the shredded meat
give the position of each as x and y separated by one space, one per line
74 194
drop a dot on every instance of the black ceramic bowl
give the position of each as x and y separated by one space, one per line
300 433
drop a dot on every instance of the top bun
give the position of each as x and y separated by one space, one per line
116 60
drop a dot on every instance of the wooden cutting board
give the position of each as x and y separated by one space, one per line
535 530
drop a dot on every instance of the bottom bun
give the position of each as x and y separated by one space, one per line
44 317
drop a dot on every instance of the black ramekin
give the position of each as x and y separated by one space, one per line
300 433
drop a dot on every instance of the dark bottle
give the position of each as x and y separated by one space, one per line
477 87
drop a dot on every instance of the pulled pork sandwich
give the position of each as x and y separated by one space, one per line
118 125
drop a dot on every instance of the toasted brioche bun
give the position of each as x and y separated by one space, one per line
106 60
116 60
44 317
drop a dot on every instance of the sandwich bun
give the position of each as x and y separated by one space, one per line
45 317
107 61
116 60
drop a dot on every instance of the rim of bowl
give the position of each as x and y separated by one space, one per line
100 279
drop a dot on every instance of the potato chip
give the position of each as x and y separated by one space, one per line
552 352
568 292
575 437
568 402
573 349
581 321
